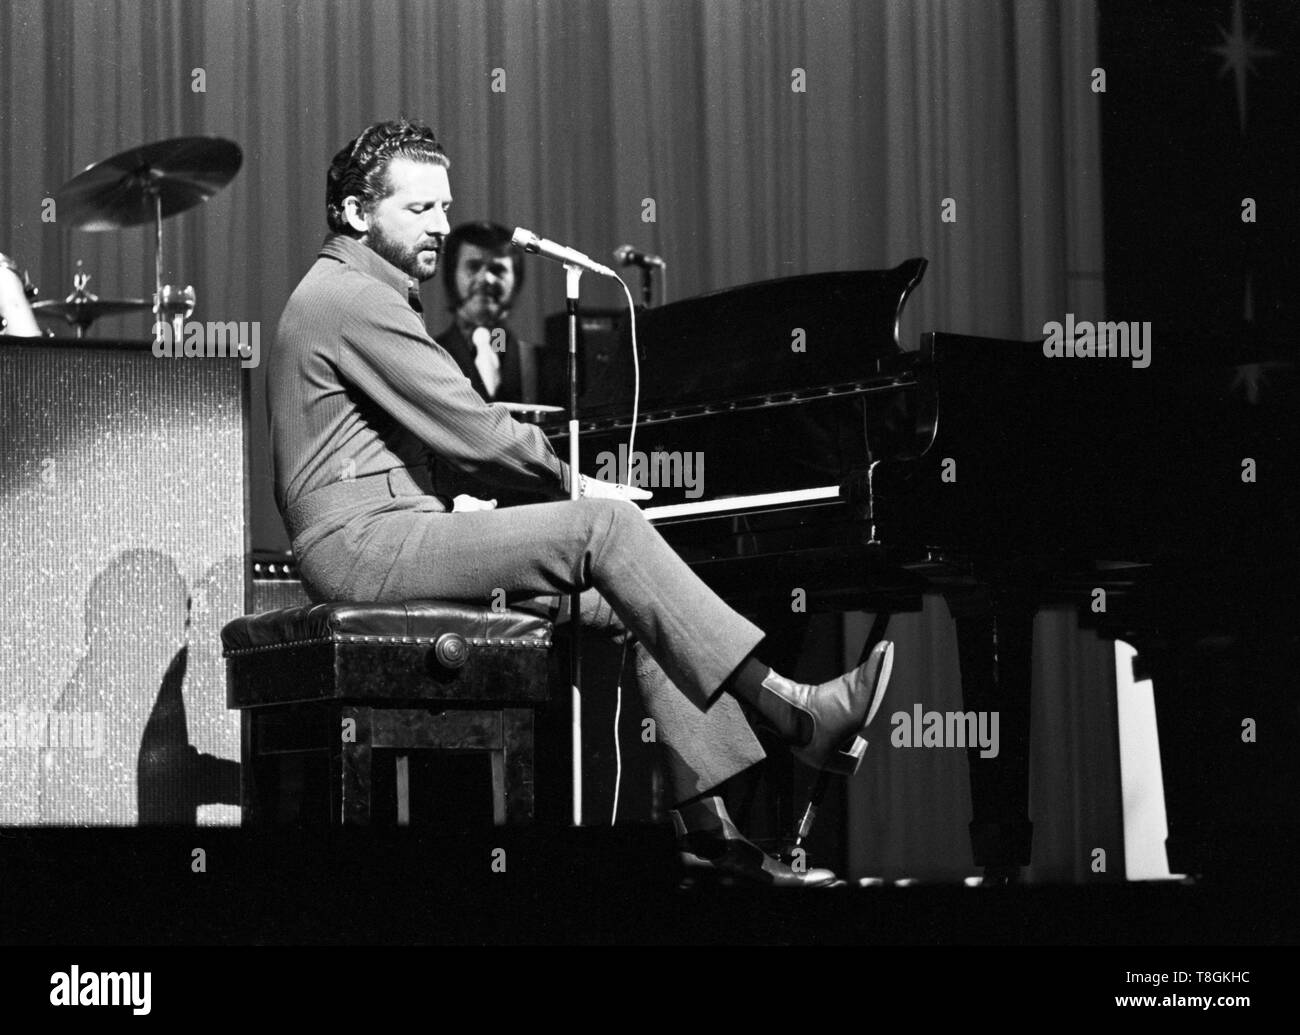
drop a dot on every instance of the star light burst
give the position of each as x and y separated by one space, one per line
1239 53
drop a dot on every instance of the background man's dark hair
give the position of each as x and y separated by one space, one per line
360 168
493 238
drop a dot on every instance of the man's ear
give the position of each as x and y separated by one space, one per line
353 214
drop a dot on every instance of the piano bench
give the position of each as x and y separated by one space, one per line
320 688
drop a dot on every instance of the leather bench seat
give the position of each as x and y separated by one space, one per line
421 675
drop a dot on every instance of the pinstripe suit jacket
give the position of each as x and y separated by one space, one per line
356 387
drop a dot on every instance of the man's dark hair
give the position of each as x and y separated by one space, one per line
493 238
361 167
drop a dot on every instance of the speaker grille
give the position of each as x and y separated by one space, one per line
122 531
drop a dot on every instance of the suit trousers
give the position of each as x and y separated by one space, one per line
685 640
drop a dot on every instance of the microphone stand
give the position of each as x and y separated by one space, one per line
571 276
647 276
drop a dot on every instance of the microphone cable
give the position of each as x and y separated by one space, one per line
618 711
631 443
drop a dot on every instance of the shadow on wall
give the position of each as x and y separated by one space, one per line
113 739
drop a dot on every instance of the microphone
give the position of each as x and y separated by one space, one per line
530 242
629 256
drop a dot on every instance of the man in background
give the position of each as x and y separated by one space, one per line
483 273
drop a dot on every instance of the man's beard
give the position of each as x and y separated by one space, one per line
405 259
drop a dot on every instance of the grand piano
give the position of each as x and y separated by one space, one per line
1161 501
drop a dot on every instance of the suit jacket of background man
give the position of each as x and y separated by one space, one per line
518 365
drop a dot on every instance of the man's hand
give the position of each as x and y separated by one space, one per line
594 488
465 502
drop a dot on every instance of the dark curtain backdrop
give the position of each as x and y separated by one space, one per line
605 105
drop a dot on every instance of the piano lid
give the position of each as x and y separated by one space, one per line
774 336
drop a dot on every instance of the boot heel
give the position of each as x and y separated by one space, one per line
847 760
883 655
838 710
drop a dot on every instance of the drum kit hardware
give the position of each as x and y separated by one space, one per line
146 184
82 308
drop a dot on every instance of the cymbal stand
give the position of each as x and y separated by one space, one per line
169 302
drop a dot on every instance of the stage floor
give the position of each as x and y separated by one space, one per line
537 885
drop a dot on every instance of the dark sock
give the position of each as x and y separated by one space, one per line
718 790
746 683
698 798
699 821
702 817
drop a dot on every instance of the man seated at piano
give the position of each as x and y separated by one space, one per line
16 317
365 408
483 273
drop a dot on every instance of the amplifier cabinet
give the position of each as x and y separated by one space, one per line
123 483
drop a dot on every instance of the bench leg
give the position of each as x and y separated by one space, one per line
353 769
250 805
403 790
517 740
498 787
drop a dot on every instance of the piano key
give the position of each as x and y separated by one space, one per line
734 504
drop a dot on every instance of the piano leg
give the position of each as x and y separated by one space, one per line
995 644
1229 725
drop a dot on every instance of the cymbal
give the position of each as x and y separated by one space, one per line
86 310
119 191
